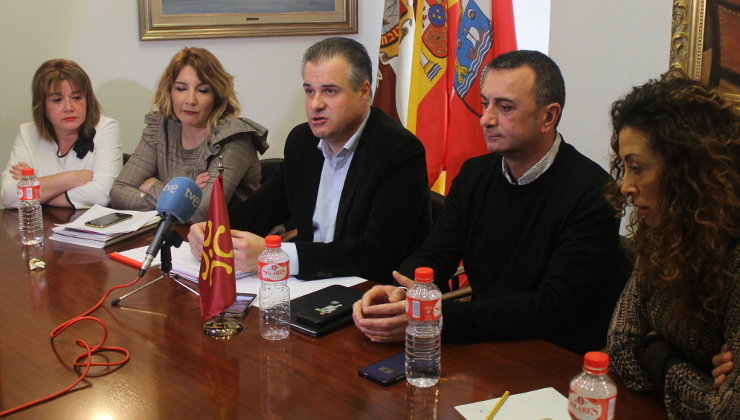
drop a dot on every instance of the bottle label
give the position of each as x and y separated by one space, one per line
582 408
29 193
423 310
273 271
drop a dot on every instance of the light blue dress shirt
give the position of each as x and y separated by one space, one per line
333 175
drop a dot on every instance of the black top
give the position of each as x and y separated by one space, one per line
541 258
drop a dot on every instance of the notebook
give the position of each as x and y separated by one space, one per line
77 233
327 300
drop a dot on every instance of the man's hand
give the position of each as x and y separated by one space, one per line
381 313
247 248
195 239
723 365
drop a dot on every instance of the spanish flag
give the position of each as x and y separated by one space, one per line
452 43
217 281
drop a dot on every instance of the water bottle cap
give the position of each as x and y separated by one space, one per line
273 241
27 172
424 275
596 362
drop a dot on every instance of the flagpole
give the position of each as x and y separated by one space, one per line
221 327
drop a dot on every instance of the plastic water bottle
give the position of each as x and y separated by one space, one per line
30 222
422 403
274 297
424 330
593 394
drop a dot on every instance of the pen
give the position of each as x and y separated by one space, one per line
498 405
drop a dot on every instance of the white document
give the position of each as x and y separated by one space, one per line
545 403
78 233
185 264
297 287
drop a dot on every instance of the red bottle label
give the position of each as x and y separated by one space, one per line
423 310
273 271
583 408
29 193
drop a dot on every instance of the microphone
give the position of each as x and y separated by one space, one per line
177 203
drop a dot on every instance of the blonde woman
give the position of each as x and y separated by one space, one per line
195 122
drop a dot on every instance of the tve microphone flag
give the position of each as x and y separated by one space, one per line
217 280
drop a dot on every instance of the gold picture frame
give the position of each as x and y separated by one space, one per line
705 43
173 19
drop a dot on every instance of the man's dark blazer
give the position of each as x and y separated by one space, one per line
383 212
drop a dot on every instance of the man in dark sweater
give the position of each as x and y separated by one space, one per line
529 221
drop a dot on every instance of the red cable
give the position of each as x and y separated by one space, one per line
89 351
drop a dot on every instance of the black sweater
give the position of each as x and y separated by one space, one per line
541 258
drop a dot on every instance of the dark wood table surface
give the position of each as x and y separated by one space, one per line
176 371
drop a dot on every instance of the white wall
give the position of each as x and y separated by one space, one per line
103 37
532 21
603 48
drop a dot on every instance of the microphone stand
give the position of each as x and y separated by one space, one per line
171 239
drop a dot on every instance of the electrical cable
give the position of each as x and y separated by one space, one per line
83 360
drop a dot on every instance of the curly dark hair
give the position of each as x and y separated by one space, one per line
696 132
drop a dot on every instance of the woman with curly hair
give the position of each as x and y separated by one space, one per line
675 156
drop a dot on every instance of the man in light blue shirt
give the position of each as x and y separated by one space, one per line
353 181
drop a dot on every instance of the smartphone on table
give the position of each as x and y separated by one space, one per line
387 371
239 308
107 220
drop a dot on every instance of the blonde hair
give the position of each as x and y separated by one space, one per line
209 71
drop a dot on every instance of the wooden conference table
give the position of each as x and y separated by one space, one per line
176 371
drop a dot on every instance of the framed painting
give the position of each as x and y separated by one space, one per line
705 43
185 19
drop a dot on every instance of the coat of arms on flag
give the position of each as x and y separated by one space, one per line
217 279
437 95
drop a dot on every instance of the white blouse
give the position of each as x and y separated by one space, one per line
104 161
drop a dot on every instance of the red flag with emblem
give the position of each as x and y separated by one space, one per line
454 40
217 280
482 29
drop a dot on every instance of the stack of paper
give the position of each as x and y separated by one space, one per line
183 262
186 266
78 233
